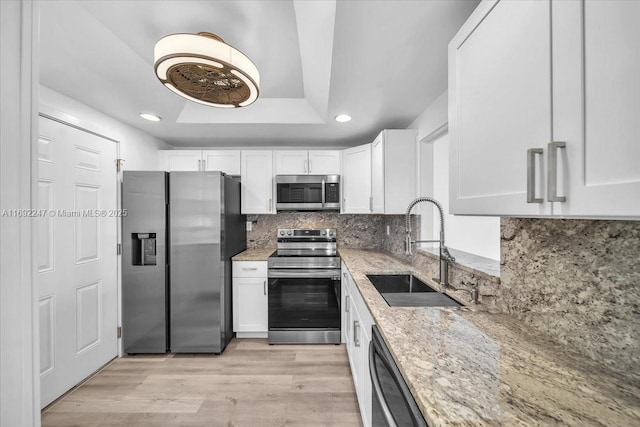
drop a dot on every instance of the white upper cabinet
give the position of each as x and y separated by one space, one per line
596 86
499 107
227 161
543 104
257 182
302 162
393 169
180 160
356 179
324 162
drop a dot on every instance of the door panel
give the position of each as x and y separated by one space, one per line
77 264
88 316
47 323
87 233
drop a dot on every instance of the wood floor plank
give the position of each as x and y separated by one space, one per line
251 384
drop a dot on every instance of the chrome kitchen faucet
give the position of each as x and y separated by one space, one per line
445 256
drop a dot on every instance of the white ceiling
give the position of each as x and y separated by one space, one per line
382 62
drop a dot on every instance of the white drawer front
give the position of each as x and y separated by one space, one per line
249 268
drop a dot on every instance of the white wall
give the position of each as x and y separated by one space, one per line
477 235
138 149
19 385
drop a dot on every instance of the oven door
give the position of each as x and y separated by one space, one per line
304 306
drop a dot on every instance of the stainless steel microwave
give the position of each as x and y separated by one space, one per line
308 192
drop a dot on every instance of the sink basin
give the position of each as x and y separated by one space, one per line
406 290
398 283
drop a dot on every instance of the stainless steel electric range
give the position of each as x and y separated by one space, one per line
304 288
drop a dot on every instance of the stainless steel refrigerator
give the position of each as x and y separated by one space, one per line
179 235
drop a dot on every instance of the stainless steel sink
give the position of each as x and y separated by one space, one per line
406 290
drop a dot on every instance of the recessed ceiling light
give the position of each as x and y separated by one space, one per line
341 118
150 117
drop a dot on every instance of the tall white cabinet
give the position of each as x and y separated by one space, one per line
356 179
543 104
393 170
257 182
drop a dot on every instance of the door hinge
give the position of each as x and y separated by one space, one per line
119 331
119 249
119 163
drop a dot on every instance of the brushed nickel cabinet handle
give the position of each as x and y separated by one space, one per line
531 175
264 287
552 181
356 337
346 303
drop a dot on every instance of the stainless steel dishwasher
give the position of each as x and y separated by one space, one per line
392 402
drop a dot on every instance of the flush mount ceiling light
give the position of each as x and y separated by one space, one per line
150 117
203 68
342 118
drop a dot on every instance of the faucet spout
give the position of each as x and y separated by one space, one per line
445 256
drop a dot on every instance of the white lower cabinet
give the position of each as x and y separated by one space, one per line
357 323
250 300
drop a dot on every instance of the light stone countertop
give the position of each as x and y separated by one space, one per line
254 255
470 368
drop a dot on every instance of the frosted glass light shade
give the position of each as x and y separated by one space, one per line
204 69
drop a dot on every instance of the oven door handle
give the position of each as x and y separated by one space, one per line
377 388
304 273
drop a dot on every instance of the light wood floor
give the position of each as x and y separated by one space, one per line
250 384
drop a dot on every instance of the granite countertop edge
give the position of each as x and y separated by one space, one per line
466 367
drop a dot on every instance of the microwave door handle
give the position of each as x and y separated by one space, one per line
322 191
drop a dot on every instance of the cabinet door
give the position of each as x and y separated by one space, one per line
257 182
597 106
227 161
499 107
250 304
294 162
364 390
324 162
180 160
377 174
356 179
344 305
354 346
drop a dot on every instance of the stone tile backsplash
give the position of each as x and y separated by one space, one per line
354 231
576 280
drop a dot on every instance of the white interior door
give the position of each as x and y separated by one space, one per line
76 255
